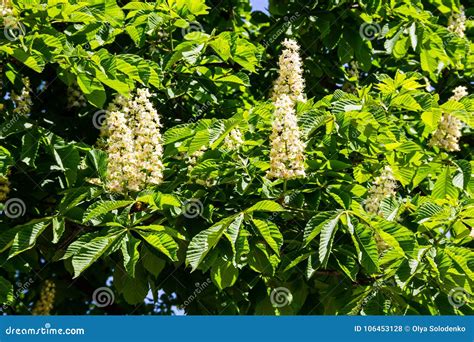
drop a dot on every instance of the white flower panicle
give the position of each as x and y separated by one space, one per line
45 303
472 233
23 100
384 186
191 159
448 132
75 98
233 140
457 23
7 15
5 9
290 79
4 188
134 143
287 148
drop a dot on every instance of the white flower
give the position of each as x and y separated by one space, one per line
23 100
472 233
287 148
75 97
45 303
6 10
459 93
4 188
134 143
457 23
233 140
383 187
290 79
449 128
191 159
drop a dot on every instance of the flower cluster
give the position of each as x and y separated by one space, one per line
45 303
459 93
448 132
75 98
7 15
191 159
233 140
457 23
4 188
134 143
290 78
23 101
5 9
287 148
383 187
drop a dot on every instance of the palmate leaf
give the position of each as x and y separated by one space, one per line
204 241
270 233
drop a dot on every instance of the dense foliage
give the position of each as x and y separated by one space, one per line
379 224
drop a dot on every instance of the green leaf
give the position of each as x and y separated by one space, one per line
204 241
27 235
152 263
93 90
59 225
92 250
270 233
29 149
224 274
328 231
134 290
130 253
368 248
444 186
162 242
6 291
265 205
103 207
316 223
426 211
